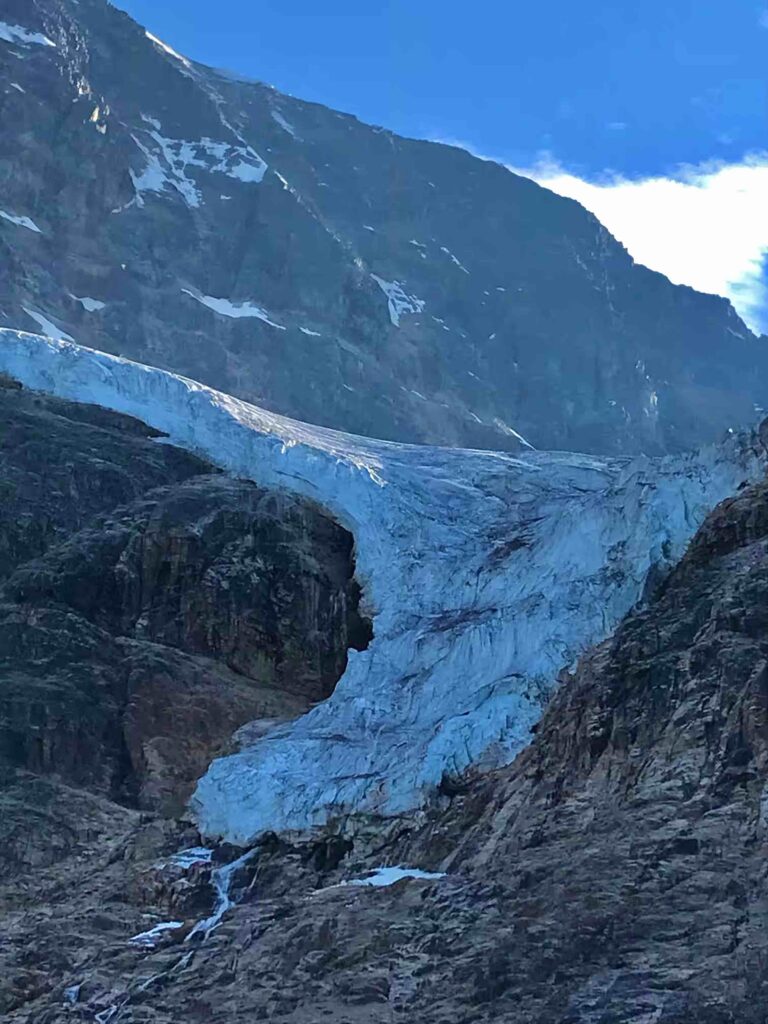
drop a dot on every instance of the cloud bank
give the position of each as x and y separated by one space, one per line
705 226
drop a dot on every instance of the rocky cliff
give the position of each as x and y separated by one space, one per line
329 270
150 606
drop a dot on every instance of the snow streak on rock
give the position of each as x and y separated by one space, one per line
168 161
486 574
22 222
397 300
236 310
17 34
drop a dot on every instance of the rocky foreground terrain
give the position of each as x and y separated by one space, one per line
329 270
613 874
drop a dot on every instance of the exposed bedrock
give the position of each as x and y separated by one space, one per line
151 605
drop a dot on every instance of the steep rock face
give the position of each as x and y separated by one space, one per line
141 625
331 271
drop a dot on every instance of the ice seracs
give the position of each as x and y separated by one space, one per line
486 574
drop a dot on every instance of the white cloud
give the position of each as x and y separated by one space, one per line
762 18
705 226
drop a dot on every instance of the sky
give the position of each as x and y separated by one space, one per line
654 114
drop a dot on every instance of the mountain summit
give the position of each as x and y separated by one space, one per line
330 270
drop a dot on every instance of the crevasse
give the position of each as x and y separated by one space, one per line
487 573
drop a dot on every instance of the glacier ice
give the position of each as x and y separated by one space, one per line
486 573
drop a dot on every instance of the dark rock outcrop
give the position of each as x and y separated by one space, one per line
509 309
150 606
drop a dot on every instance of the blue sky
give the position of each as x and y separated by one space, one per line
598 91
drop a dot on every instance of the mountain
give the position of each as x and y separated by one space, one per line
484 573
329 270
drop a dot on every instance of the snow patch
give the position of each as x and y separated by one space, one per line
17 87
398 301
193 855
49 329
284 124
384 877
22 222
165 48
17 34
506 429
235 310
168 161
89 305
454 259
148 939
312 334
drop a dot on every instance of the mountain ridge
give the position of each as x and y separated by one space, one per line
332 271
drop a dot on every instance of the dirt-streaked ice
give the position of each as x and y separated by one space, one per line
486 574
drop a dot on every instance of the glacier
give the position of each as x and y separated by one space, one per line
485 573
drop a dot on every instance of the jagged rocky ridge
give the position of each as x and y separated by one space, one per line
328 270
615 872
485 573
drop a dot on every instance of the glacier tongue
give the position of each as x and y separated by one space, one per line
486 574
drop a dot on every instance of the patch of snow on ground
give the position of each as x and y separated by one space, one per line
312 334
17 34
168 160
168 50
49 329
398 302
90 305
148 939
470 629
22 222
388 876
191 856
17 87
237 311
506 429
284 124
454 259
